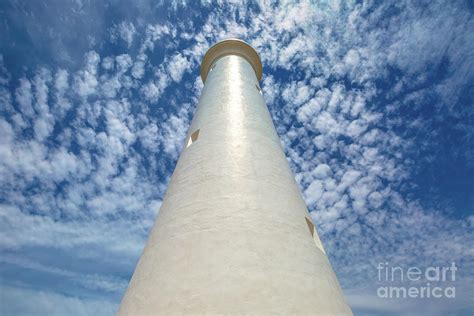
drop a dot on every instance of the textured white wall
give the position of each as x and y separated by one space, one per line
231 236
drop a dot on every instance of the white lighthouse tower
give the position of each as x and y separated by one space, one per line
233 235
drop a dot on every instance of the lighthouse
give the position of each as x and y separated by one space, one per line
233 235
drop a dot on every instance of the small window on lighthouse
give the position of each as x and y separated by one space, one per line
310 226
193 138
258 88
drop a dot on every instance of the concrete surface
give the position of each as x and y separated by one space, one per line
233 235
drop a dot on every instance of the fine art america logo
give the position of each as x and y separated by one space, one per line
416 282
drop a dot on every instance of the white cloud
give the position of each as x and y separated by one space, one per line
85 82
322 171
126 31
297 45
23 301
124 62
325 123
153 89
177 66
108 63
24 97
356 128
314 192
61 84
152 34
138 69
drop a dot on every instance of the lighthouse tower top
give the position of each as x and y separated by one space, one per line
231 46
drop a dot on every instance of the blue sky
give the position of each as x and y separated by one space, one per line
373 102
